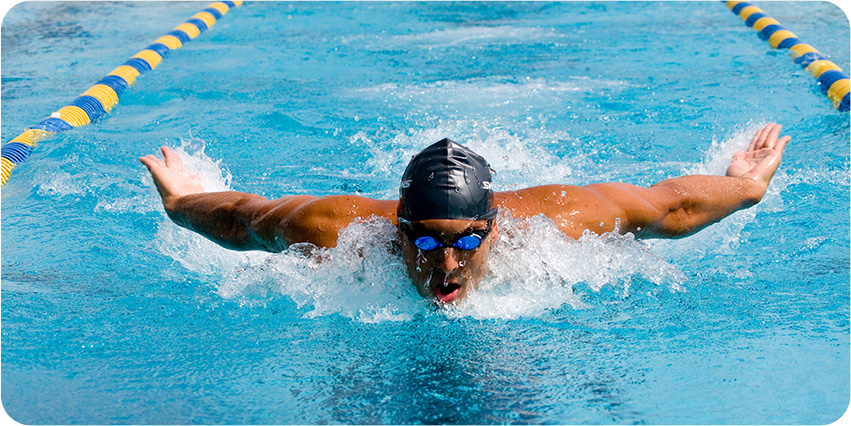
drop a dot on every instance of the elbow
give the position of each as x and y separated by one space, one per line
680 223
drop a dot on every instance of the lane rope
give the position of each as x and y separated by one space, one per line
99 99
832 81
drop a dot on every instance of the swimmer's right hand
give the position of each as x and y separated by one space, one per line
759 162
170 176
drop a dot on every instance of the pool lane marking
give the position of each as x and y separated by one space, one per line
99 99
834 82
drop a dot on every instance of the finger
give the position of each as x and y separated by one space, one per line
172 159
755 140
150 161
781 144
771 137
764 137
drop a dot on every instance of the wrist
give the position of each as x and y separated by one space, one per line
170 202
752 189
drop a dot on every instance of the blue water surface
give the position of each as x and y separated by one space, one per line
112 314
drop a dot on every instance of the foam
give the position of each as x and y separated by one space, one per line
724 237
480 96
193 251
60 183
475 35
213 176
534 269
363 278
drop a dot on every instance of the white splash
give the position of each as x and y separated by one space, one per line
191 250
468 35
363 278
61 183
725 236
144 198
213 177
534 268
482 96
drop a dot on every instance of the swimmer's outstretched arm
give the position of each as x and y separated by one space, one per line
672 208
242 221
682 206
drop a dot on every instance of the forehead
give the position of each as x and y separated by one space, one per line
448 226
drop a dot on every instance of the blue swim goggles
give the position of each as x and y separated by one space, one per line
465 242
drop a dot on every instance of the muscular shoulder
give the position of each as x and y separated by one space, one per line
346 207
319 220
549 199
574 209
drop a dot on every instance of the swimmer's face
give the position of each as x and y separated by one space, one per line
446 273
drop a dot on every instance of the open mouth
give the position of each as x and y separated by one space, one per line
446 292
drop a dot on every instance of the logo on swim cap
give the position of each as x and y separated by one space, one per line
446 181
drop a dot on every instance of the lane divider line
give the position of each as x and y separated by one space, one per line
99 99
833 82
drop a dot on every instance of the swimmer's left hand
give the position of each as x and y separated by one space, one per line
762 157
170 176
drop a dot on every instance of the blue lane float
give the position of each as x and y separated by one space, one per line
99 99
833 82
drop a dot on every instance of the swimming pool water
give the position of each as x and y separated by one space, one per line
112 314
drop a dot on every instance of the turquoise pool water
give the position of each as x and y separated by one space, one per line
112 314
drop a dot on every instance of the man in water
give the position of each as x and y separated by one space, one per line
445 215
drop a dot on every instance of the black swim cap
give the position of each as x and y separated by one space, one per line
446 181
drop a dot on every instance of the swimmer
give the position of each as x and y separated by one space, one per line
445 215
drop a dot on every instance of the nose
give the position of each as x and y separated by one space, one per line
446 259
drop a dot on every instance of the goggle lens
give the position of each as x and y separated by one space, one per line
427 243
467 242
